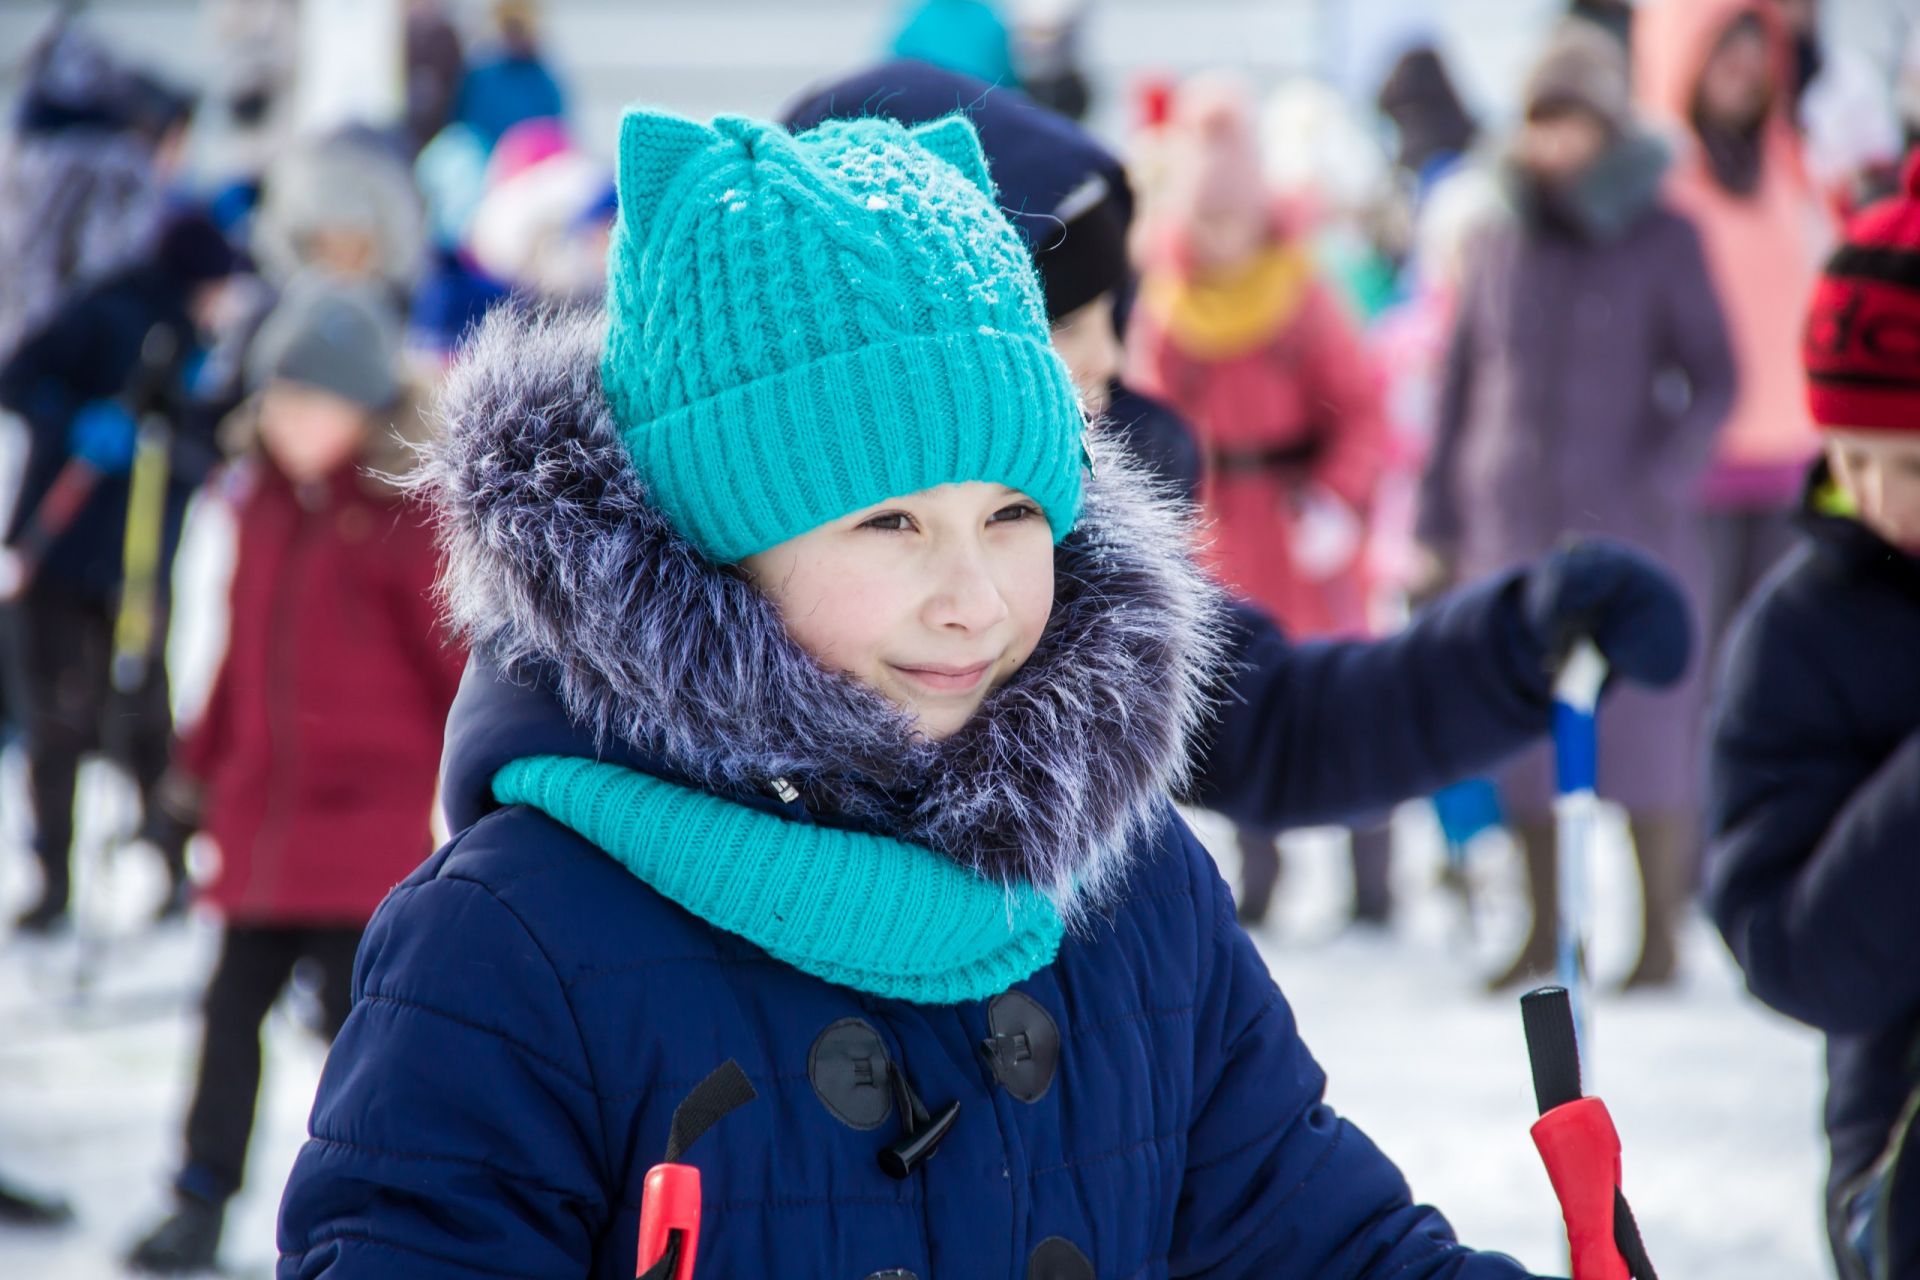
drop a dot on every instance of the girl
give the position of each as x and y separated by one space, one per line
822 718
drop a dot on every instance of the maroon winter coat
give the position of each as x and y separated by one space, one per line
320 745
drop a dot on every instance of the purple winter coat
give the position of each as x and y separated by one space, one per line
1587 375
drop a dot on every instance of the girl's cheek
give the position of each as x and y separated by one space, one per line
841 617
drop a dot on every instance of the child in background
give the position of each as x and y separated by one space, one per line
313 768
1814 777
823 715
1236 331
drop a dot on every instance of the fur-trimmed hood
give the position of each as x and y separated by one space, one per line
561 575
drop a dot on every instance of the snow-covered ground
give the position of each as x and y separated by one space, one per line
1715 1099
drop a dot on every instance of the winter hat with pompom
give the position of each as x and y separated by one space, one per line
803 326
1862 345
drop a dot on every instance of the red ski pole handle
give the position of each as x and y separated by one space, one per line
1580 1147
1581 1150
669 1223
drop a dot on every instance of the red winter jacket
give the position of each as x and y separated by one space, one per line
320 746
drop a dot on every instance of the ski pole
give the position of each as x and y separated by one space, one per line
670 1202
1576 694
1580 1148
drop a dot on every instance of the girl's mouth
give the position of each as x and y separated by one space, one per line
945 679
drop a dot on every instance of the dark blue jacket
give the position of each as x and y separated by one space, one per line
91 351
1813 866
528 1014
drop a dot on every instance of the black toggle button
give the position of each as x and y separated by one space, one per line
1024 1049
903 1157
1058 1258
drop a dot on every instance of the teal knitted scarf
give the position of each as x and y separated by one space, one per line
863 911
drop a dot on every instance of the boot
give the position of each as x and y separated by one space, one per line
185 1243
1537 956
45 917
20 1208
1663 845
1259 874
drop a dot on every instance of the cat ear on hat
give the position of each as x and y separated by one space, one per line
654 147
954 140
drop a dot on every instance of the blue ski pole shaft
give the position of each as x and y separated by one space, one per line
1576 695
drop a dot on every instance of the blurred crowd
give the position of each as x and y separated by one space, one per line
1389 348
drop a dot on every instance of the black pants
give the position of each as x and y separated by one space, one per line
60 655
255 963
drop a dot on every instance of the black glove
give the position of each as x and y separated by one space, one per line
1625 601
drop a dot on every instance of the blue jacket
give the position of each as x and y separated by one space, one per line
528 1013
1813 870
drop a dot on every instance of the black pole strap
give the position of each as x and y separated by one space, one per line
1554 1050
1547 1015
727 1089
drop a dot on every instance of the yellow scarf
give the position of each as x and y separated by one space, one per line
1220 316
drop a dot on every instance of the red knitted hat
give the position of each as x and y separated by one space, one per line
1862 344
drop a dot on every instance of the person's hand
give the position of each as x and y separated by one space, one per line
103 435
1626 602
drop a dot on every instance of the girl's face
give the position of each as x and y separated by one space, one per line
310 433
1880 472
934 599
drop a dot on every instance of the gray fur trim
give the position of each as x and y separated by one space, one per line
555 557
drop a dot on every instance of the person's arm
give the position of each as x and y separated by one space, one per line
456 1132
1811 869
1693 333
1335 730
1344 388
1277 1185
1437 524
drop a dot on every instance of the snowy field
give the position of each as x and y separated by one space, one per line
1716 1100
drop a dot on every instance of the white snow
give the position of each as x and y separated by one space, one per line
1716 1100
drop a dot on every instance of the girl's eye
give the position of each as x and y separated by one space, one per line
889 522
1017 512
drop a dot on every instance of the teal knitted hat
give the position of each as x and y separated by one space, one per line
801 327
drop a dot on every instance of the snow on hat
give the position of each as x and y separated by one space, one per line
804 326
1862 340
1063 190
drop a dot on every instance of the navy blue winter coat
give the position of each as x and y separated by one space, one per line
528 1013
1813 865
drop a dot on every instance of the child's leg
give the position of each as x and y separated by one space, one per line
1372 854
152 751
1259 874
255 963
332 951
1663 844
1535 836
62 657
